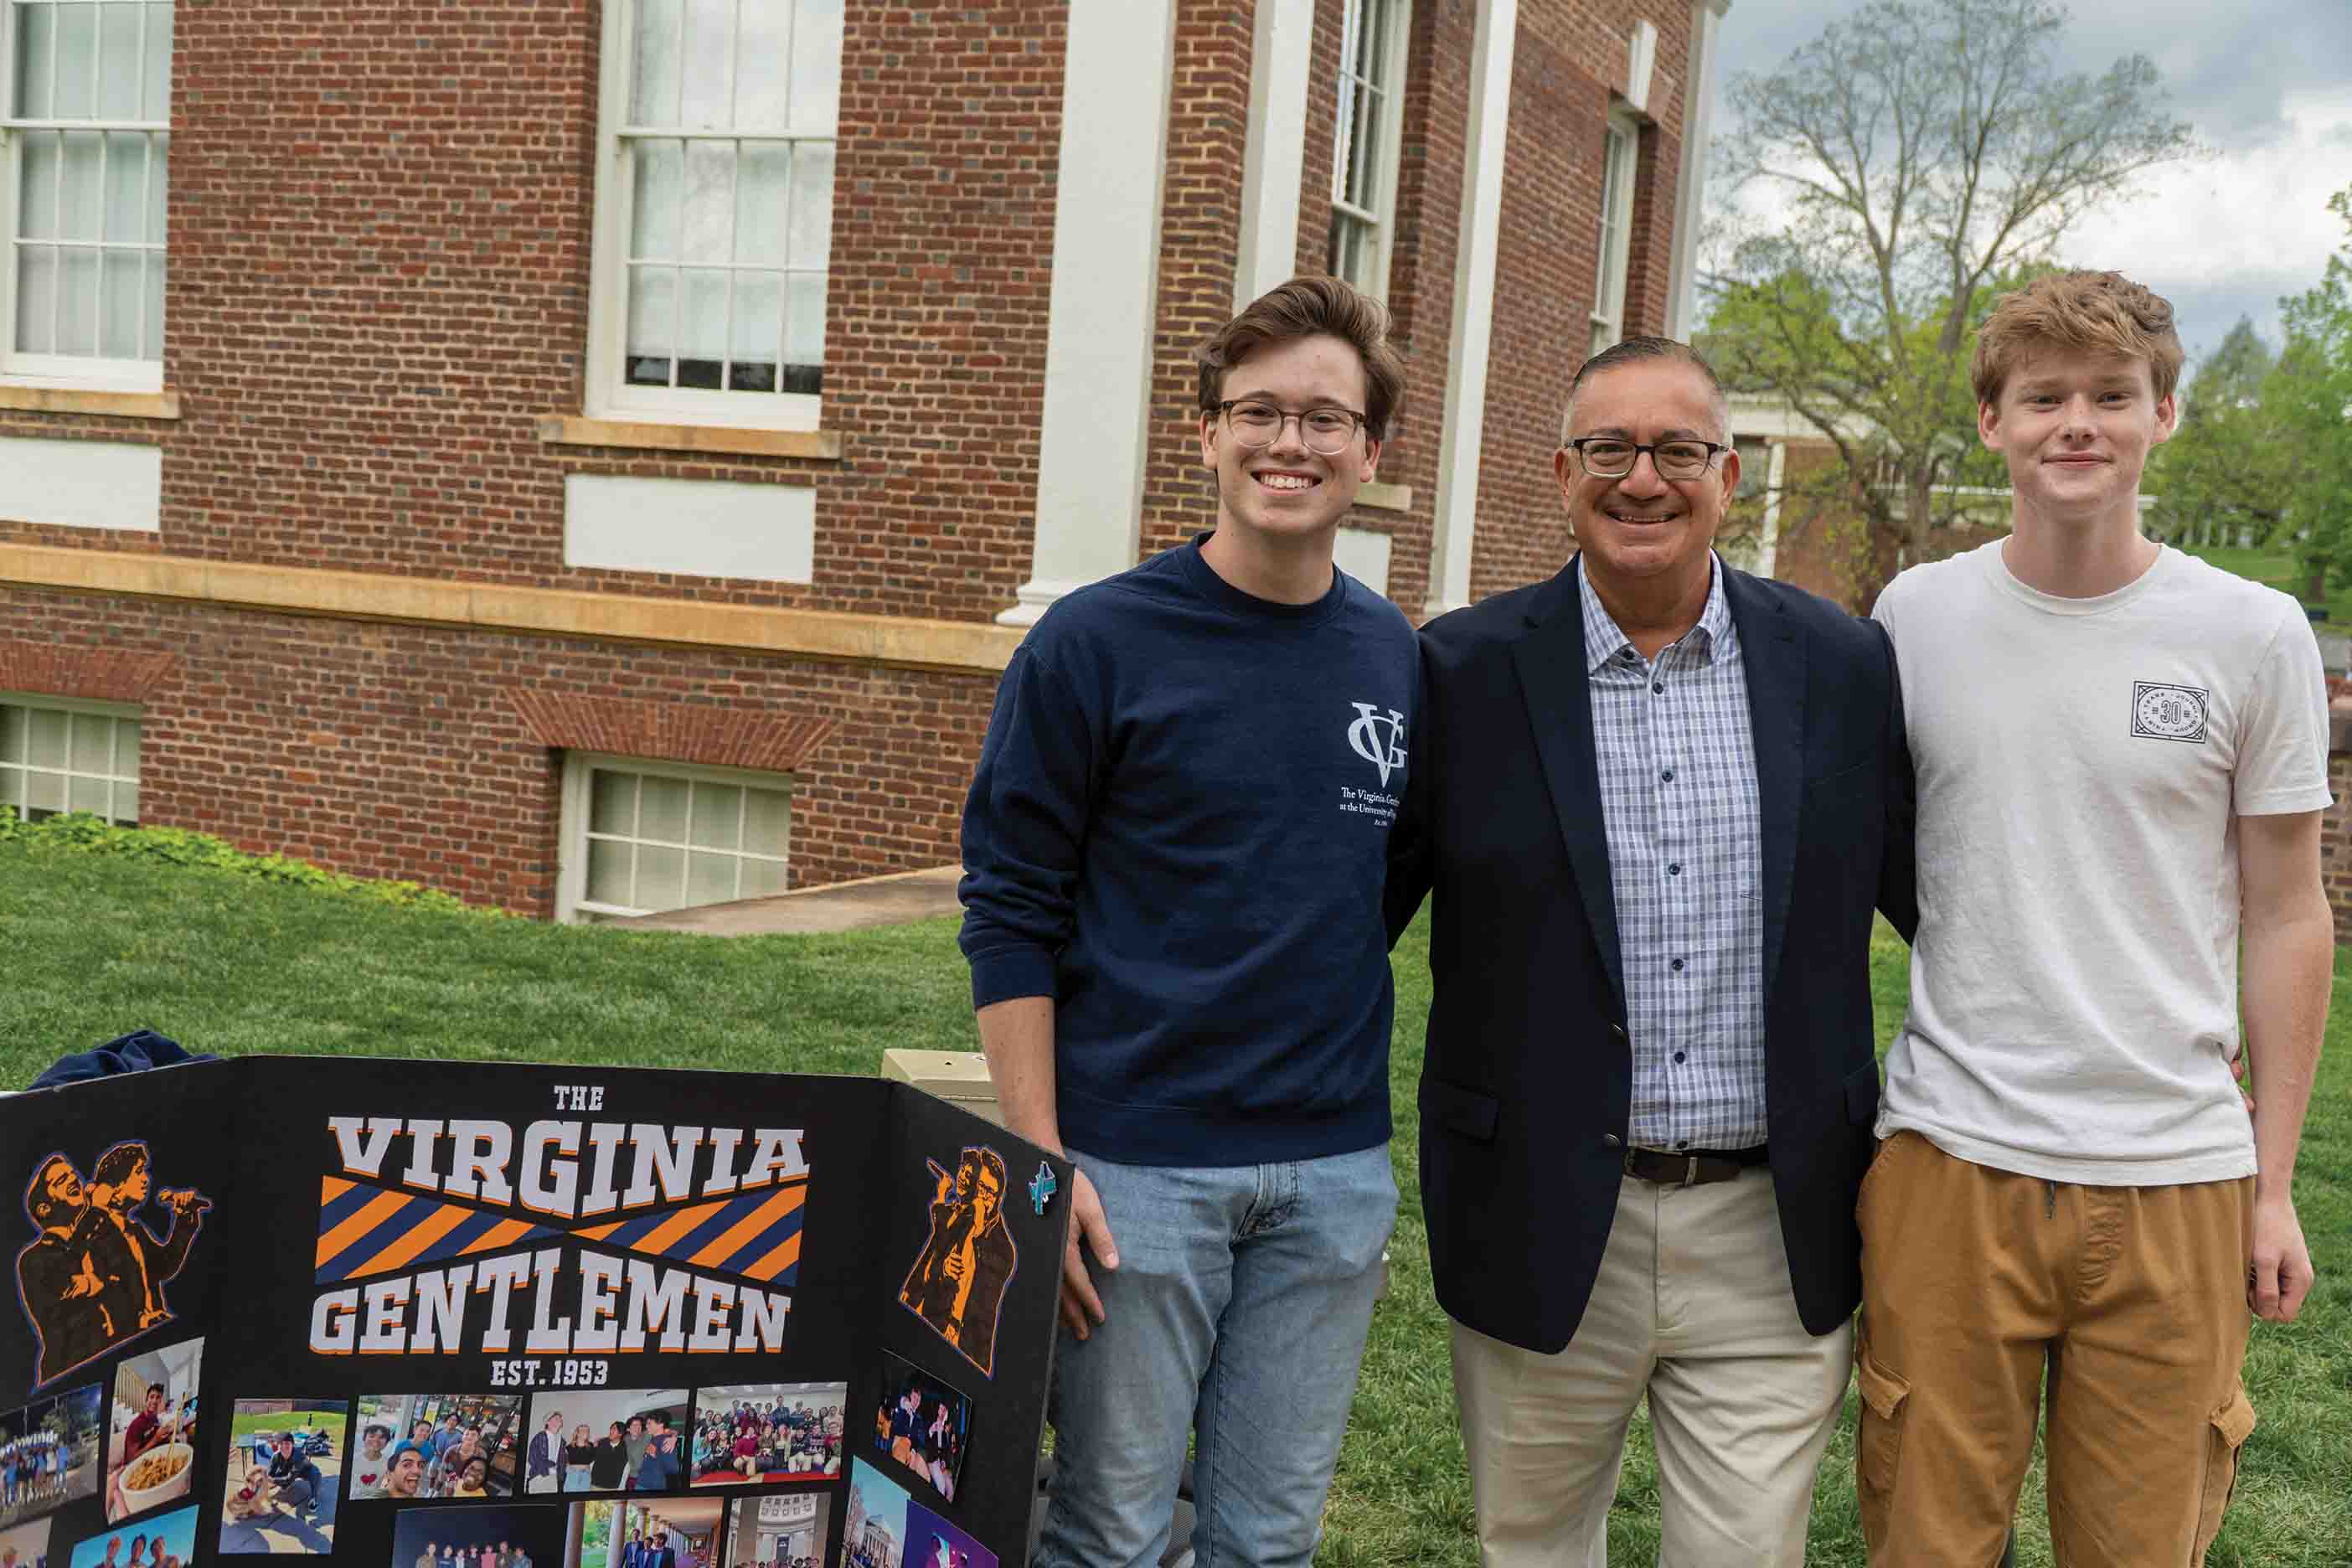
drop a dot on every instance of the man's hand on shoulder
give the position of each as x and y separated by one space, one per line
2281 1274
1089 1232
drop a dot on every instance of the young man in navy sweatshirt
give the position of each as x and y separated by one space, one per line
1174 856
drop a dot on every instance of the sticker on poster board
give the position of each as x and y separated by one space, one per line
959 1278
95 1277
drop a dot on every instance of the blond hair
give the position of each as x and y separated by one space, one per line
2092 312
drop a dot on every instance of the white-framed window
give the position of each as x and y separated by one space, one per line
1619 151
85 139
1364 148
59 754
714 210
642 836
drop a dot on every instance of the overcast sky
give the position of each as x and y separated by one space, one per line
2268 87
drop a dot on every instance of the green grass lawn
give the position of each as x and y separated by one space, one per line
2278 568
97 945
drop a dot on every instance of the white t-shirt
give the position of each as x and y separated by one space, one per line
2081 765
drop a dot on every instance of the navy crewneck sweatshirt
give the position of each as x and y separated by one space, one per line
1179 831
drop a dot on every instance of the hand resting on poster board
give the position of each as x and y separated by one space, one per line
1018 1037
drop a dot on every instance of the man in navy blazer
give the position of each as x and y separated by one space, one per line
1654 801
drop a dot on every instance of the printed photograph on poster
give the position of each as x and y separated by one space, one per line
958 1280
26 1545
922 1423
503 1535
594 1439
285 1464
98 1275
747 1433
933 1542
465 1445
166 1540
782 1529
152 1447
874 1534
49 1454
659 1532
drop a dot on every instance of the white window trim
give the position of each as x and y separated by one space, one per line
64 373
608 395
1390 152
54 704
1609 276
572 902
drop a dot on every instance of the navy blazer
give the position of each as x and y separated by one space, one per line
1527 1083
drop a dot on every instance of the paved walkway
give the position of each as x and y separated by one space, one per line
845 906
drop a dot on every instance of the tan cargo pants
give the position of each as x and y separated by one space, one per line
1974 1281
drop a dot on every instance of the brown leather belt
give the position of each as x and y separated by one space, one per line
1692 1167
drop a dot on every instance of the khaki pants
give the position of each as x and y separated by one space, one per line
1974 1281
1692 1306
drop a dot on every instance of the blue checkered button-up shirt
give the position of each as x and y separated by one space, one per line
1678 798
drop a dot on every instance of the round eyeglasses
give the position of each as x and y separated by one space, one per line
1611 457
1327 432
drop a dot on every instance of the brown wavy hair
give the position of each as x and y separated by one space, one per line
1306 308
2090 312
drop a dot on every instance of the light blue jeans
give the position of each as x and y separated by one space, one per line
1237 1312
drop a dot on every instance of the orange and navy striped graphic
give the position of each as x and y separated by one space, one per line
366 1230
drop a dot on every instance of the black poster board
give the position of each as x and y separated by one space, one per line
362 1309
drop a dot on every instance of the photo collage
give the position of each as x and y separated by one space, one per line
49 1457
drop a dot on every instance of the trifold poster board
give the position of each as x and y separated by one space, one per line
420 1315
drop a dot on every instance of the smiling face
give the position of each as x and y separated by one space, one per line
2075 430
1284 491
1640 527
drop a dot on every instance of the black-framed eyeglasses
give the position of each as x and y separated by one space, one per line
1610 457
1327 431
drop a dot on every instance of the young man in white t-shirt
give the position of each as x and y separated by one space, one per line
2119 749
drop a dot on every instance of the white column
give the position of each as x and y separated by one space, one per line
1275 167
1474 305
1092 437
1767 549
1698 113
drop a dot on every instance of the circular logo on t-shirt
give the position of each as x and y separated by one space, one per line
2163 711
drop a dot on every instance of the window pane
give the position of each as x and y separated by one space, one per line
36 39
36 291
657 199
38 219
78 192
158 161
118 72
703 329
93 743
766 817
761 188
710 879
126 804
758 334
151 332
804 326
816 66
46 744
812 239
126 747
612 802
608 872
1364 158
122 281
718 817
157 93
761 66
709 230
661 810
763 878
710 45
661 876
12 734
77 301
44 793
653 96
1371 39
77 32
88 794
126 198
653 321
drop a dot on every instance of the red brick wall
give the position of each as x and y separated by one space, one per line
398 752
2336 833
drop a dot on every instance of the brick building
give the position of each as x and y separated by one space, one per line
596 457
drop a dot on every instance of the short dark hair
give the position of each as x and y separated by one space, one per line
154 1388
1630 350
114 1167
1307 308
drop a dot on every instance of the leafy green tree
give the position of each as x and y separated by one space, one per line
1926 156
2230 468
2311 394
